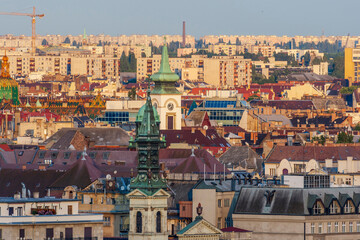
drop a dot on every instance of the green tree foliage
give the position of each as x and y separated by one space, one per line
132 94
321 140
67 40
324 46
343 137
285 57
127 63
261 79
307 59
348 90
336 64
44 42
357 127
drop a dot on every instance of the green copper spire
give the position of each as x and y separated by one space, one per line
165 79
148 142
84 35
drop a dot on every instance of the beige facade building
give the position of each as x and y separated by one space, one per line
99 66
218 71
289 213
227 71
46 218
216 202
138 50
40 127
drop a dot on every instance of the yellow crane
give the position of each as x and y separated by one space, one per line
33 16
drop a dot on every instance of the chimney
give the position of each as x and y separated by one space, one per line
17 196
183 36
36 194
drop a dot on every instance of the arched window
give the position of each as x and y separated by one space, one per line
158 222
318 208
334 207
349 207
138 222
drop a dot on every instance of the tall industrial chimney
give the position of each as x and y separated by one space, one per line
183 35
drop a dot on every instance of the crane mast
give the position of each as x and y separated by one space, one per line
33 16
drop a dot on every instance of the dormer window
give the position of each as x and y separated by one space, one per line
334 207
349 207
318 208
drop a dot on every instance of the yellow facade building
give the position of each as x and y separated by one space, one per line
352 64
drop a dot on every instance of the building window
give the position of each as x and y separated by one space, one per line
334 207
349 207
336 229
226 202
329 227
138 222
11 211
350 226
358 226
22 234
219 203
320 227
158 222
219 223
343 227
106 221
318 208
19 211
69 209
272 171
49 233
312 228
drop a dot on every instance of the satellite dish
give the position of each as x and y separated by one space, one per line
122 188
128 187
108 177
205 127
115 172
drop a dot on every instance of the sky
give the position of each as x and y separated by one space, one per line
203 17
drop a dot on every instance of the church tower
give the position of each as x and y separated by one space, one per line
166 98
148 198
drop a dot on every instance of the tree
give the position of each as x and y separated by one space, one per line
67 40
321 140
132 62
132 94
307 59
343 137
44 42
124 64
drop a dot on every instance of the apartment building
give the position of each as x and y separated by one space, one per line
352 64
227 71
265 50
139 51
46 218
299 53
98 66
218 70
227 49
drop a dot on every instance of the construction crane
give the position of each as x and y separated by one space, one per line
347 40
33 16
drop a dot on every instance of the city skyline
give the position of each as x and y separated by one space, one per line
277 17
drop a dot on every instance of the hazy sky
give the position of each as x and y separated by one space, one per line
203 17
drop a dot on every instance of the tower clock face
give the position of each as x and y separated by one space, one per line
170 106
